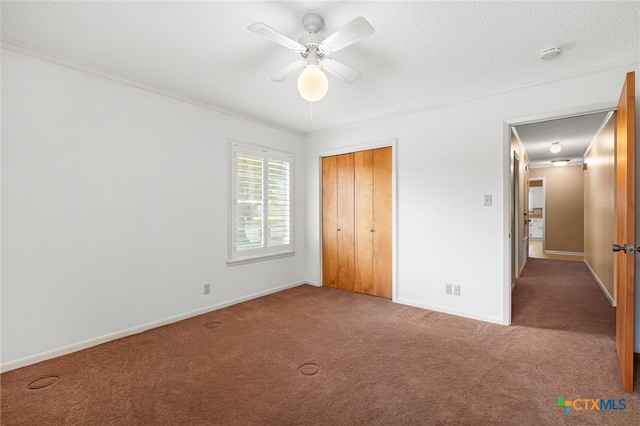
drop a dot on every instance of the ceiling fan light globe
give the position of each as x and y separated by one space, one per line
313 83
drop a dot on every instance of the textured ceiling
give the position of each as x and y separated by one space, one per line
422 53
574 134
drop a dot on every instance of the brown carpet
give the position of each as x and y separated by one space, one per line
324 356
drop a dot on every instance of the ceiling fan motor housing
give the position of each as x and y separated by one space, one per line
312 24
311 41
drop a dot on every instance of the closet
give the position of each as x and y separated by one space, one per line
357 222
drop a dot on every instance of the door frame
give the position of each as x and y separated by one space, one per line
544 209
383 143
519 246
506 179
516 241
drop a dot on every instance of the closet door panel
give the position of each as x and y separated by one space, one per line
364 221
382 223
330 221
346 237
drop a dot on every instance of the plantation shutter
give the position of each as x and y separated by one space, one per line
279 206
250 205
261 203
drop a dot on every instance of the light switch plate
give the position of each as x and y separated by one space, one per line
487 199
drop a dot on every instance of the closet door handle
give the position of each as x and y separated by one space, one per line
338 229
373 230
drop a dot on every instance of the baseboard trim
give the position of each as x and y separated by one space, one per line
636 348
604 289
566 253
65 350
450 311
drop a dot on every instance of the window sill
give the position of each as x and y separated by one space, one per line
245 260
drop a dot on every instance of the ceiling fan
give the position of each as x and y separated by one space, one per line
313 49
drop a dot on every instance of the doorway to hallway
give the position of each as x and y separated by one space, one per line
619 164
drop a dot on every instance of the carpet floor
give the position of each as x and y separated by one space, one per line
321 356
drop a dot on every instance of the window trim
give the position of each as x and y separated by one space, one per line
264 253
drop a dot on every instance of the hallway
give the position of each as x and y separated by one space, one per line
535 251
563 296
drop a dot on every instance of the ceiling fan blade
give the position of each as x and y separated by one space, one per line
271 34
339 69
355 30
287 71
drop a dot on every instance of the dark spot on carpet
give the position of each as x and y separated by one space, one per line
43 382
309 369
213 324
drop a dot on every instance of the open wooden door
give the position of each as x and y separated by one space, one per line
626 215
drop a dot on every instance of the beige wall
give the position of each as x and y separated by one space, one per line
564 207
599 210
523 231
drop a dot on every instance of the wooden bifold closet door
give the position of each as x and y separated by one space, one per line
356 222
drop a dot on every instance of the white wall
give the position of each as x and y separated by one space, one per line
115 208
447 159
114 204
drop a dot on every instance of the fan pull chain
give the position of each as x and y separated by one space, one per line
310 112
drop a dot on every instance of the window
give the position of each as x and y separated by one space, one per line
261 212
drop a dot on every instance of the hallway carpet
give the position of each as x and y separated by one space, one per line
321 356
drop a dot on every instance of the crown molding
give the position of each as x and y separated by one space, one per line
593 139
628 62
35 53
16 47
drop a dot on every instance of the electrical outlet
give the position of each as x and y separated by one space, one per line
207 288
447 289
456 290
